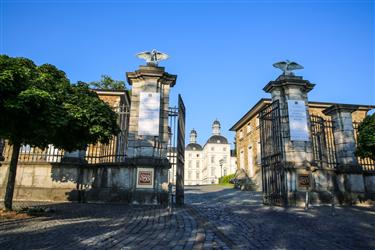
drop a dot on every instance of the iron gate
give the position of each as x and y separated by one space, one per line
180 152
273 171
323 144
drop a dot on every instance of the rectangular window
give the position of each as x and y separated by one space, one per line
224 149
241 134
224 159
242 160
190 164
212 171
212 159
250 161
189 175
259 155
197 164
225 171
248 127
197 176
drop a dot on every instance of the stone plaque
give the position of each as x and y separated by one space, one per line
298 121
304 181
145 178
149 113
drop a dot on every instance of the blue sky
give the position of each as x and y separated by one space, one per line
222 51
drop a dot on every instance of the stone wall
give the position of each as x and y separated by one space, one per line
71 182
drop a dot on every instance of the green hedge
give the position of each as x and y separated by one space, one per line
226 179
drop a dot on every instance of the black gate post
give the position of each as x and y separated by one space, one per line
1 149
180 153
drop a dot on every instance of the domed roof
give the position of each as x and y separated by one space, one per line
194 147
218 139
216 122
193 131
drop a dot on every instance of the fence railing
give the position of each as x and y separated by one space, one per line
113 152
34 154
367 164
323 144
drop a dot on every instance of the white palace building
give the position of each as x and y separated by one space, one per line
205 165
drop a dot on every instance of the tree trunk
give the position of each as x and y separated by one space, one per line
8 200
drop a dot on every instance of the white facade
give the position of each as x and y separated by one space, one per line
193 167
193 161
206 165
172 157
217 162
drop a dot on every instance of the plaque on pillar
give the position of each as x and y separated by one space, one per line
149 114
145 178
298 120
304 181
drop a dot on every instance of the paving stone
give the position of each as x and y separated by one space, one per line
214 218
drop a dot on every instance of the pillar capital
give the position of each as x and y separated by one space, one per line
340 108
285 81
146 72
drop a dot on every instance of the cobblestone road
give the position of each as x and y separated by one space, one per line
214 218
241 218
104 226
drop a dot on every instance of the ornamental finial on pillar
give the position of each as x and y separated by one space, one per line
287 67
152 58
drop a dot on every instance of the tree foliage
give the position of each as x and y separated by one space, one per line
39 106
366 138
107 83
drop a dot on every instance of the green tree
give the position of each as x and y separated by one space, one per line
107 83
366 138
39 106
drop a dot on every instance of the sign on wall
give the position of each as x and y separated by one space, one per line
149 113
303 181
298 121
145 178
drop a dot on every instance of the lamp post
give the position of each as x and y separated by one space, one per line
221 162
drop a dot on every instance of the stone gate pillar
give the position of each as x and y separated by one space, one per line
350 181
291 92
148 132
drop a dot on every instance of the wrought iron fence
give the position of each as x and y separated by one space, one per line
323 144
34 154
115 150
367 164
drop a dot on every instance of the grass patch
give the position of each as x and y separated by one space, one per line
229 185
